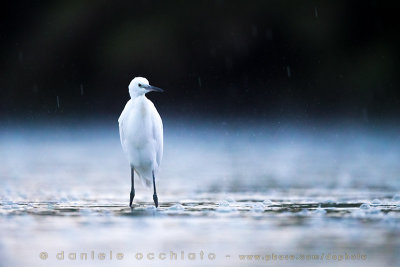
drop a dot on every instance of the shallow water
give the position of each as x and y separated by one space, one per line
227 194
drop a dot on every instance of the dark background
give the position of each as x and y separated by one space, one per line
288 59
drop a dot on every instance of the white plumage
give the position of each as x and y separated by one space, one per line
141 132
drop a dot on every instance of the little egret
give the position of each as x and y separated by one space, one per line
141 133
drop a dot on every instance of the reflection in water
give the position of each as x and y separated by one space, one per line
223 189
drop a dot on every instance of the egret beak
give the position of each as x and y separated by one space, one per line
153 88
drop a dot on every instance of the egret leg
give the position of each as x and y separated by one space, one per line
132 195
155 198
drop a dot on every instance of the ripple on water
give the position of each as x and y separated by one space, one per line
268 202
225 209
258 207
376 201
176 207
229 199
396 198
365 206
245 206
223 203
319 211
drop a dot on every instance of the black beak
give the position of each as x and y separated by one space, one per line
153 88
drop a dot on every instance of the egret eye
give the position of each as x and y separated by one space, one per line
140 85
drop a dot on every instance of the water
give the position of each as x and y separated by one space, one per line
227 194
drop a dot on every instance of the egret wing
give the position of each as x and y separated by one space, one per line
121 120
158 135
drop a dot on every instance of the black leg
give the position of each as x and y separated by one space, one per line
132 195
155 198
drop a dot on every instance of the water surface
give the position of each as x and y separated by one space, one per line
229 195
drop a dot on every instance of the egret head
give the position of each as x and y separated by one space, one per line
140 86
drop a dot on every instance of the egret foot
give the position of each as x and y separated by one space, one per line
155 198
132 196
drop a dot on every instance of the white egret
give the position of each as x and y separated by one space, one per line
141 133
